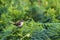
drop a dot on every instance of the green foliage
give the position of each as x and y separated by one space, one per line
41 19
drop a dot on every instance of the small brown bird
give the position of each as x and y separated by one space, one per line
19 23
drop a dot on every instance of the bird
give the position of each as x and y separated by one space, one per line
18 23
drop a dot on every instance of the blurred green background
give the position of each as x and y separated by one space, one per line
41 19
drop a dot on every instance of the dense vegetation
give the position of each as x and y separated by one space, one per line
41 19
